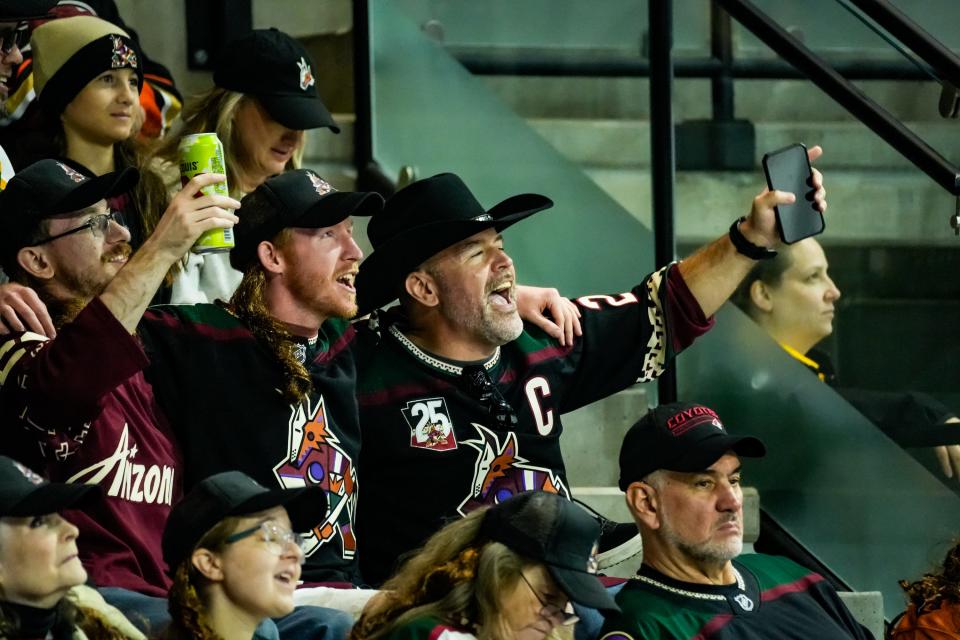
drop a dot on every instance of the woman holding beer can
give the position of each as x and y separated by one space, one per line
264 98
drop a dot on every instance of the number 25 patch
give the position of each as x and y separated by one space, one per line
430 425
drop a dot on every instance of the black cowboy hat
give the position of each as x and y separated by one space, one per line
422 220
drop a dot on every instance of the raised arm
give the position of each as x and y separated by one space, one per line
714 271
131 290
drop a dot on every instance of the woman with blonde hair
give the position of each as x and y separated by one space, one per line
234 554
42 592
510 572
264 98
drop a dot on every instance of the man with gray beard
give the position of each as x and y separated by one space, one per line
460 401
680 470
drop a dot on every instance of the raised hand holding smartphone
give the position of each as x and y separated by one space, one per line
788 169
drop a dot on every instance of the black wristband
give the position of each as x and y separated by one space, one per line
747 248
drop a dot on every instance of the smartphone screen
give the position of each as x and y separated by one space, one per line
788 169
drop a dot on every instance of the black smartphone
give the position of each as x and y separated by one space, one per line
788 169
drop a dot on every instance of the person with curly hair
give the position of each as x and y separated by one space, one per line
42 594
234 552
508 572
933 610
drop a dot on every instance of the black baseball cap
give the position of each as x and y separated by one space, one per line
680 436
277 70
234 493
16 10
551 529
299 198
24 493
48 188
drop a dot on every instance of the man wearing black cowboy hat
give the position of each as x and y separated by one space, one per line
78 407
460 403
680 470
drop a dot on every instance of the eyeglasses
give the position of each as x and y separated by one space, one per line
553 614
478 383
15 36
98 225
274 536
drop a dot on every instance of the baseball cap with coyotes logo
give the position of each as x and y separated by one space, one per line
48 188
680 436
298 199
277 70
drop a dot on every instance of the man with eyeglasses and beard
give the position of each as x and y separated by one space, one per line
681 473
77 408
460 401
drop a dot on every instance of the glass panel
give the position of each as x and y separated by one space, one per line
432 114
568 27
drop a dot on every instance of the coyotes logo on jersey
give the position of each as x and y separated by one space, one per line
316 458
501 472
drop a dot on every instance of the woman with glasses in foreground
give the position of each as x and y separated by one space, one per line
510 572
234 556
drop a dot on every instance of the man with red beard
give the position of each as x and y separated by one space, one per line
681 473
77 408
461 402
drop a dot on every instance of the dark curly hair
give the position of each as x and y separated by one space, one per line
934 588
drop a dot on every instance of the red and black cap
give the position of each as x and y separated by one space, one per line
422 220
299 198
551 529
277 70
234 493
24 493
680 436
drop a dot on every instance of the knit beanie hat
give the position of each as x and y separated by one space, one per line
70 52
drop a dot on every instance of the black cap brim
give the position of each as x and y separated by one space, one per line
377 281
709 450
583 588
299 112
95 190
54 497
306 507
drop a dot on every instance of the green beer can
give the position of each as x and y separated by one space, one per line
203 153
